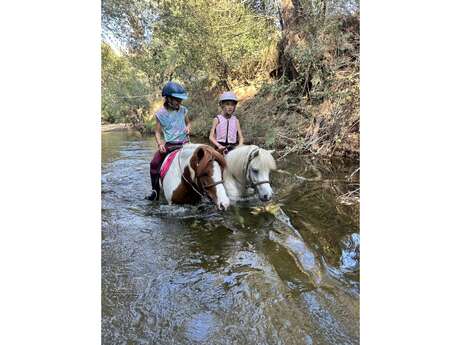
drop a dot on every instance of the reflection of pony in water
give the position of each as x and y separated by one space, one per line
195 172
248 170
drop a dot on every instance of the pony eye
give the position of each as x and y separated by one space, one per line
255 171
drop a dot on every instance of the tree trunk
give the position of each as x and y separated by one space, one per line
289 17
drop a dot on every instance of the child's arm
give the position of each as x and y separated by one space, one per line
212 137
160 142
240 134
188 122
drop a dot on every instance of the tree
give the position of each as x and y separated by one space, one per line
124 88
128 21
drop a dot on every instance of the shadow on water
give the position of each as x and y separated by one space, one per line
283 273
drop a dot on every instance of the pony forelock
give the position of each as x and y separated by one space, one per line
236 159
264 160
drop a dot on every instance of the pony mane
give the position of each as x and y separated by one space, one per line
208 154
218 157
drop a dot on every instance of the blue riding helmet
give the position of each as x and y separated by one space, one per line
174 90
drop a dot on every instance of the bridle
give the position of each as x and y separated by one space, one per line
204 188
253 154
212 184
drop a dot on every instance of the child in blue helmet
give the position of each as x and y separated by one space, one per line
171 120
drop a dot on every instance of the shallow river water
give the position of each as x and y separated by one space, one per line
286 273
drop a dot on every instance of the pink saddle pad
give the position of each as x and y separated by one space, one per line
167 163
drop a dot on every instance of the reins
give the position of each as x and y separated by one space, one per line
213 184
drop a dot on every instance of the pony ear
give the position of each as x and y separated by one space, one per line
196 158
271 151
253 155
200 153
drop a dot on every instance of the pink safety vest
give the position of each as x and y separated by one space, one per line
226 129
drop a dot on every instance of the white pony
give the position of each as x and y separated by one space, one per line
195 172
248 170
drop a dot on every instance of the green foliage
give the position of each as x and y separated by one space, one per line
128 21
150 125
222 41
306 52
124 88
207 45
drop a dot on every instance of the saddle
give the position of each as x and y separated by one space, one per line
167 162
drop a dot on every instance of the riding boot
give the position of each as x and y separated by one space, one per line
155 179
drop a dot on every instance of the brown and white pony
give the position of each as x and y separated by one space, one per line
196 172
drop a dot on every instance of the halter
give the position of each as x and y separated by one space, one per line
191 183
253 154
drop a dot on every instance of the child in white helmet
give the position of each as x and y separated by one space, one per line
226 131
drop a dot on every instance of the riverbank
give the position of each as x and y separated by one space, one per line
110 127
273 117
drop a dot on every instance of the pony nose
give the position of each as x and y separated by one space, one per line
266 197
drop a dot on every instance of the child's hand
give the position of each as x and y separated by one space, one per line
162 148
222 149
187 129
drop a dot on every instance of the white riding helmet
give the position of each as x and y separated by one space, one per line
228 96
